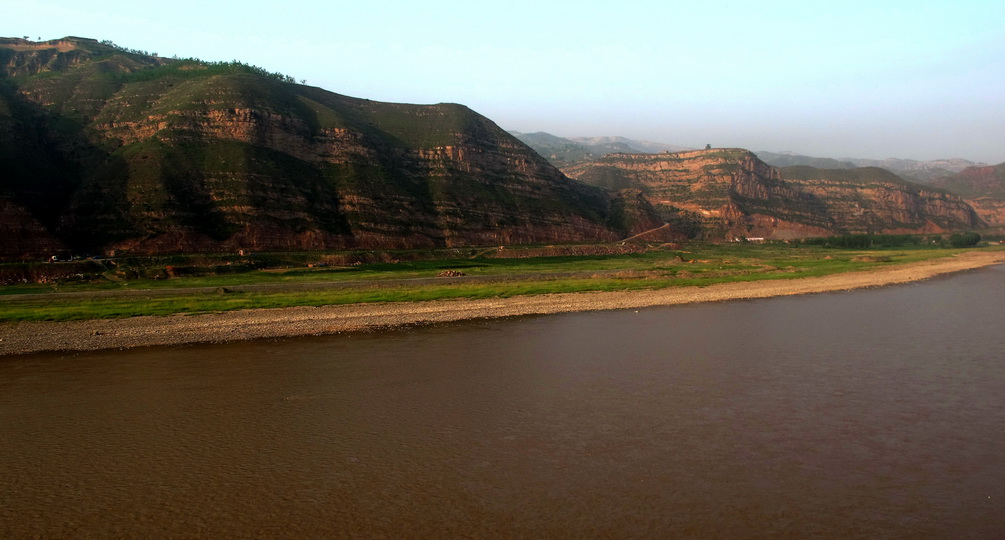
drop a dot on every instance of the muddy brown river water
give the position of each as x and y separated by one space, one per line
869 413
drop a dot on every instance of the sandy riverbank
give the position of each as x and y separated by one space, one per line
18 338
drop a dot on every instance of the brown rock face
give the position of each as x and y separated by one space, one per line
729 193
715 194
873 200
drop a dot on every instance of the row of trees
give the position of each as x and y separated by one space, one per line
232 65
112 44
248 68
968 239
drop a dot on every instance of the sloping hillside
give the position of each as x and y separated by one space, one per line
110 149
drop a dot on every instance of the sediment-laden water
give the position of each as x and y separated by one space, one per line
866 413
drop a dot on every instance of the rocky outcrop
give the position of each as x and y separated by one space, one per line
730 193
157 155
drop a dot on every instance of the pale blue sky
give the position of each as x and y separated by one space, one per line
911 79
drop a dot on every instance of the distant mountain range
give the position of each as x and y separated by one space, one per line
918 171
630 145
568 151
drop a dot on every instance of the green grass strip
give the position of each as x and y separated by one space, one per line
645 272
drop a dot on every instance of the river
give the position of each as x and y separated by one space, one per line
869 413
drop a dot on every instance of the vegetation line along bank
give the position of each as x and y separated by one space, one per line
201 290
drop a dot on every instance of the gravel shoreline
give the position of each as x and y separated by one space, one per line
31 337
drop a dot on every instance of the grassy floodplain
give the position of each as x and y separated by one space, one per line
485 275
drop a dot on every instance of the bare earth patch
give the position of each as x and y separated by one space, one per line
28 337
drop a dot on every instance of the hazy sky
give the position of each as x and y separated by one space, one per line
911 79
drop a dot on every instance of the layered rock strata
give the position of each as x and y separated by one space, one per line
730 194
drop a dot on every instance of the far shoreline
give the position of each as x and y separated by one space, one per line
92 335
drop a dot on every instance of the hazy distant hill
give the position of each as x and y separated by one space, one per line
557 150
565 152
788 160
622 144
107 148
918 171
922 171
570 151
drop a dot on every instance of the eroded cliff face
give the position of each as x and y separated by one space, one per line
185 156
730 193
983 188
873 200
716 194
991 211
340 187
